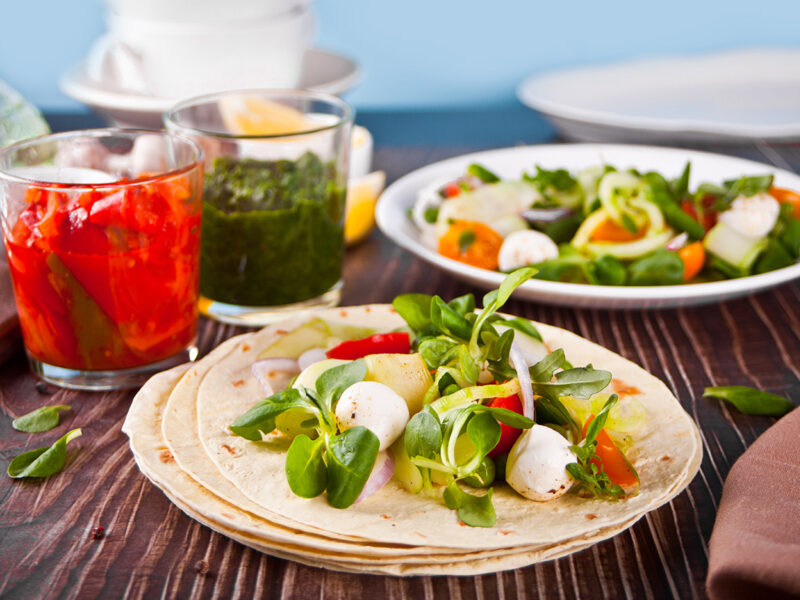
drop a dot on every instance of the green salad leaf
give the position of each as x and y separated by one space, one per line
668 198
261 418
334 381
751 401
42 462
482 173
42 419
580 382
351 456
545 369
484 433
305 468
747 186
423 435
524 326
483 476
476 511
415 309
660 267
449 321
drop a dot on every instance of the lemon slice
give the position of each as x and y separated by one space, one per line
362 194
254 115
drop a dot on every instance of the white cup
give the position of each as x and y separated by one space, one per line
203 11
187 59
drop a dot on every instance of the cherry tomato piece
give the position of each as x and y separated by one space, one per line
508 435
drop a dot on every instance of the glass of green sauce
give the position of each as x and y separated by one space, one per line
273 200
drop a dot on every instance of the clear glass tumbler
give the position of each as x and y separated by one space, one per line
273 200
102 233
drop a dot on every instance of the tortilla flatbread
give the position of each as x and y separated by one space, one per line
663 454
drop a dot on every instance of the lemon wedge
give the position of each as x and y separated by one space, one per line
254 115
362 195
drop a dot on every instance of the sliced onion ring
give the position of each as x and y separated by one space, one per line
517 360
546 215
262 368
309 357
381 474
677 242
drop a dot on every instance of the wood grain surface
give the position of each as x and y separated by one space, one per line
151 550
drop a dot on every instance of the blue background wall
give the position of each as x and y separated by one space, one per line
432 53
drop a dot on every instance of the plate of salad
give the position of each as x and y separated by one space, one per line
607 226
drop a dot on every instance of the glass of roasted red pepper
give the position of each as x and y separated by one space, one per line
102 234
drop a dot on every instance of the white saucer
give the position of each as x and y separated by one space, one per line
732 96
322 71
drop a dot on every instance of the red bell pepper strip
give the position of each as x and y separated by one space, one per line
612 460
380 343
508 435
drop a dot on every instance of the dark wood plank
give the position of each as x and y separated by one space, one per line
151 549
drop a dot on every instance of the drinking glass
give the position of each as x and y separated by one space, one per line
102 232
273 200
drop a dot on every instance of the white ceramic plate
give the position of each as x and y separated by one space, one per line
322 71
393 219
722 97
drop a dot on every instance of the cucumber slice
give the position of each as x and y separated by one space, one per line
631 250
733 247
308 377
589 180
615 191
584 233
406 472
314 334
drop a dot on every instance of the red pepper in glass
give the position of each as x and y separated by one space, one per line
106 275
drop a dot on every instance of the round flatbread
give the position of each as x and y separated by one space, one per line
156 462
665 452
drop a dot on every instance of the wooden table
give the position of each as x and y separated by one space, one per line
150 549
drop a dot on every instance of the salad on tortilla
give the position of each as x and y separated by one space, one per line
451 406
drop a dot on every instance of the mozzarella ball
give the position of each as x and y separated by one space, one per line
375 406
527 247
753 216
536 466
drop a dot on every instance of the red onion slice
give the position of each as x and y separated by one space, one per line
677 242
381 474
309 357
517 360
261 370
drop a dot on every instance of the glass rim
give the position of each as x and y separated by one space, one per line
197 159
348 112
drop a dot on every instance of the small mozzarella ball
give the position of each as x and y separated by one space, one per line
375 406
753 216
536 466
527 247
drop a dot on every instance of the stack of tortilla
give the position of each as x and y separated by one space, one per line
178 429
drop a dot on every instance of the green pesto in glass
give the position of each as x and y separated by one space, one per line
273 231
